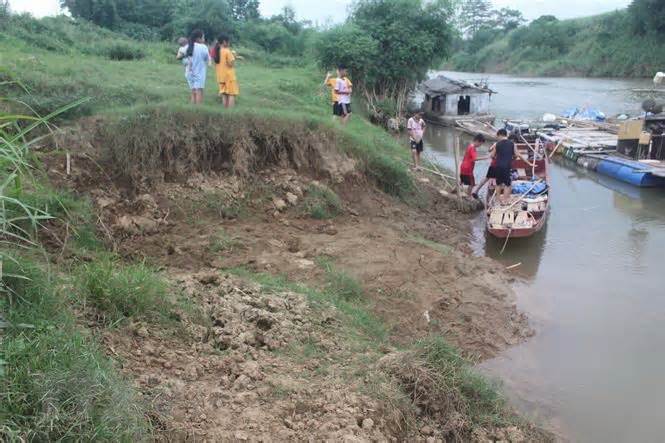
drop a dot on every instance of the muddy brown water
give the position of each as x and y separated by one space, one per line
592 282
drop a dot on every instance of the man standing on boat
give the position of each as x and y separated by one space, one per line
504 153
416 127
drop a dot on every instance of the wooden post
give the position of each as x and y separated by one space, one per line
457 179
68 166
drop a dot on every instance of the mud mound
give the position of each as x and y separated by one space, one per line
263 386
151 147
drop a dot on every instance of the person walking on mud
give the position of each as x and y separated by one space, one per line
469 164
416 127
196 65
225 61
343 89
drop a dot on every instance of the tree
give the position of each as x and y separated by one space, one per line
287 18
389 45
101 12
244 10
211 16
507 19
648 16
475 15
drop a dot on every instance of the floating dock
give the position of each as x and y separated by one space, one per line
574 141
643 173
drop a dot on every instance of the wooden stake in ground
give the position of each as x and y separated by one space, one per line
455 149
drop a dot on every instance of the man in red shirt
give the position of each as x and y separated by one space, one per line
469 163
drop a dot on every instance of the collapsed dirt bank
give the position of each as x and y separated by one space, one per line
265 365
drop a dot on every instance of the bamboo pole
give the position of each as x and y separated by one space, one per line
457 180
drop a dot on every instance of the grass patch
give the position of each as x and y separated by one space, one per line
444 386
321 202
57 385
120 291
438 247
224 243
340 284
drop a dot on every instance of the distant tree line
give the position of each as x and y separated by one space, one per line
168 19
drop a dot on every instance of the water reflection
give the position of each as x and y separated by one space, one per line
592 285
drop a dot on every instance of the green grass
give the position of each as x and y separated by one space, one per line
119 291
438 247
321 202
288 95
56 383
223 243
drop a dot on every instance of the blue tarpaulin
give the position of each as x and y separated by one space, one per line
584 114
521 187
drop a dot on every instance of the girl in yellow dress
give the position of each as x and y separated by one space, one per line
226 73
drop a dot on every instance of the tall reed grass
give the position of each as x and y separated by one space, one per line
19 133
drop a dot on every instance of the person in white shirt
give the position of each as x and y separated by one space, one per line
416 127
343 89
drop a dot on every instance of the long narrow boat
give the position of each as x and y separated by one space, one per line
525 213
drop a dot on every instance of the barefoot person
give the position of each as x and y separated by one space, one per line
196 65
343 89
469 163
416 127
225 62
504 153
490 176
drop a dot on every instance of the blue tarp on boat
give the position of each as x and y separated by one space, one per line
522 187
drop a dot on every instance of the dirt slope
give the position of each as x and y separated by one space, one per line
269 366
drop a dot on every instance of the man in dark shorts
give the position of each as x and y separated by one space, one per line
416 127
469 163
504 153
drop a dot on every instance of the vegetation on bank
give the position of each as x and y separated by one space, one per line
624 43
56 383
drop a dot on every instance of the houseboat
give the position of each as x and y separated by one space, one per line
449 102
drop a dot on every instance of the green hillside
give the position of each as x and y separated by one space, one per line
599 46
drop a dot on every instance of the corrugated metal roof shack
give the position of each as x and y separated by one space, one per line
445 97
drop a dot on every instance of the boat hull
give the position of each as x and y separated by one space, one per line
519 232
453 120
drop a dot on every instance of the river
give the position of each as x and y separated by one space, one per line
592 282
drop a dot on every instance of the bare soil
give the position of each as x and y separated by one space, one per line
269 366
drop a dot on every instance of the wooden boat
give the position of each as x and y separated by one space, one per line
526 212
474 127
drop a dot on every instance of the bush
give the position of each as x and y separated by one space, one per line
120 291
122 51
321 202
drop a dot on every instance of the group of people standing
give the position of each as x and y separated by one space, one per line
501 155
196 57
341 89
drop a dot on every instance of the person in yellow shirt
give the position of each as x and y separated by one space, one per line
343 89
330 81
225 61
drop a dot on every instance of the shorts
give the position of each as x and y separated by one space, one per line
491 172
342 109
468 180
417 146
336 109
195 81
502 176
